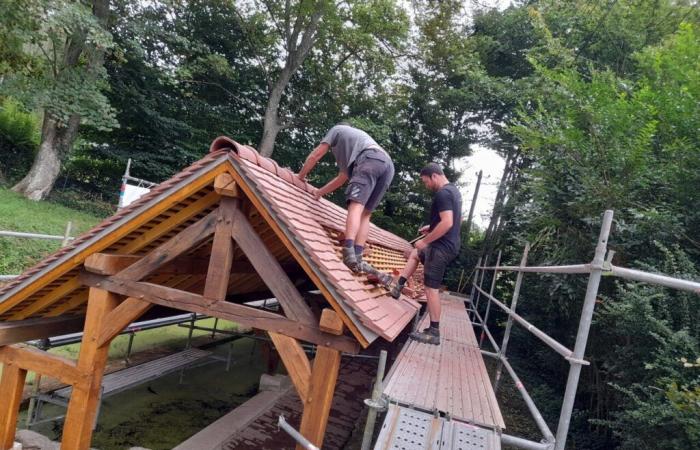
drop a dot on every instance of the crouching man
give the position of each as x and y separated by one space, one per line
369 170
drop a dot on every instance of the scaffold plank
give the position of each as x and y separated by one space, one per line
408 429
450 378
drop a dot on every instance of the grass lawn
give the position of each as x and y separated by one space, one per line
20 214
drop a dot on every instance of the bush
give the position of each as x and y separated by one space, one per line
19 140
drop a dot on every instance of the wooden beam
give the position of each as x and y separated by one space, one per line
85 398
128 311
240 314
219 271
270 270
15 331
11 386
173 221
225 185
311 271
46 300
35 360
331 322
177 245
109 263
296 362
323 378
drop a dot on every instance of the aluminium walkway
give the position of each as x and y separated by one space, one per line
443 390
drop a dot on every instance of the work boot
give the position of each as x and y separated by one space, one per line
375 275
427 336
396 290
350 259
363 266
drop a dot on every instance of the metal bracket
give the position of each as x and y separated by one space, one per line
607 264
380 405
573 360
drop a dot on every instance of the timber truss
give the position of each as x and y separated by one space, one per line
123 287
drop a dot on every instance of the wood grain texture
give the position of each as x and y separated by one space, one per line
85 398
295 361
11 385
241 314
30 358
270 270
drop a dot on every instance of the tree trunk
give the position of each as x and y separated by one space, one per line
296 53
271 125
56 140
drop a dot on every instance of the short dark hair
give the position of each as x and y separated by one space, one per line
431 169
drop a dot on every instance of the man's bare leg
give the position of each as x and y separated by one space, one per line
354 220
431 335
363 230
434 307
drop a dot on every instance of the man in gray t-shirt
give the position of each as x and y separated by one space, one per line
370 171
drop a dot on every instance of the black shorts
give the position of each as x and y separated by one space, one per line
435 261
372 173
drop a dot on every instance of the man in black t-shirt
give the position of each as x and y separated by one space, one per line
437 249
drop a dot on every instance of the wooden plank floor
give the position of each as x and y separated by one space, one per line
451 377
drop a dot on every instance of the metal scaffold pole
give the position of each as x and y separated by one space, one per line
583 329
509 323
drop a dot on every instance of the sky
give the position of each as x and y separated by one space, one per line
482 158
491 163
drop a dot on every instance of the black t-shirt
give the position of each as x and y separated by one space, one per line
447 198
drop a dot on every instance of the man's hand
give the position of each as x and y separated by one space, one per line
318 194
424 229
301 177
420 244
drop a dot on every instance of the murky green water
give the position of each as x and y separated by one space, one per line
163 412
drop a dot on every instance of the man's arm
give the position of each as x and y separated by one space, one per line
442 227
313 159
332 185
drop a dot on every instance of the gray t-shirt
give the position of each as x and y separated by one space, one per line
346 143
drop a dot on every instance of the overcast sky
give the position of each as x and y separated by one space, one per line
482 159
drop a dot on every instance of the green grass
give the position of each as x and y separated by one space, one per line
20 214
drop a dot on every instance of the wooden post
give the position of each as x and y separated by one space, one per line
85 399
324 375
11 386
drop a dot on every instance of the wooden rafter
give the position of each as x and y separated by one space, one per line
127 227
291 247
182 242
270 270
25 330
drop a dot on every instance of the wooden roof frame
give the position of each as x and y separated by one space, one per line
120 292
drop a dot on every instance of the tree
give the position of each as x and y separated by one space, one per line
69 43
363 31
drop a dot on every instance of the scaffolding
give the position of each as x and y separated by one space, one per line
600 266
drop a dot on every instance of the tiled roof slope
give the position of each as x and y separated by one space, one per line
98 229
291 201
313 227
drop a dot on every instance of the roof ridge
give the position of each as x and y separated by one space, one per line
250 154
